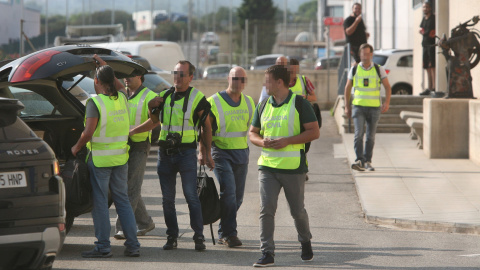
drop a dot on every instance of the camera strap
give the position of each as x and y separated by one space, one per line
184 108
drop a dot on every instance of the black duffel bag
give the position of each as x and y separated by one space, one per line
208 195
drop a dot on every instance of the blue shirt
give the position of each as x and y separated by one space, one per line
236 156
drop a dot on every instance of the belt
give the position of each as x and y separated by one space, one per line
173 151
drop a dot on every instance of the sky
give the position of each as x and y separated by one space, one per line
76 6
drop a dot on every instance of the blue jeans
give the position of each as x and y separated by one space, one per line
185 163
361 116
137 162
231 178
115 178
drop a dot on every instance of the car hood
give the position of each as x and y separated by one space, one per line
66 62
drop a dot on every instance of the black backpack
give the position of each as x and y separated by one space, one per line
208 195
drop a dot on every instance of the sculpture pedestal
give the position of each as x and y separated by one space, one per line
446 128
474 141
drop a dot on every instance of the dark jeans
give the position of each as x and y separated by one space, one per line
365 116
231 178
185 163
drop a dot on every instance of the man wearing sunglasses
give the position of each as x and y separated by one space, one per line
231 116
184 109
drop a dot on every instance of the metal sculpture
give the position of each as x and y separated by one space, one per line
464 42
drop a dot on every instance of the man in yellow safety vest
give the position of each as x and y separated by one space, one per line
366 79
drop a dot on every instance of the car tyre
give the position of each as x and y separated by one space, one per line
402 89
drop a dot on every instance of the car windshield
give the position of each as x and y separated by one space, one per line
379 59
155 83
35 104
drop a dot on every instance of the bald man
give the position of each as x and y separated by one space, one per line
299 84
231 116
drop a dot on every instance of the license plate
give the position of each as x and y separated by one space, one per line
13 179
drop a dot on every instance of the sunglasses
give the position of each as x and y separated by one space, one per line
180 73
241 79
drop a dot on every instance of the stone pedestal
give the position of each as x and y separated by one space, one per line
474 138
446 128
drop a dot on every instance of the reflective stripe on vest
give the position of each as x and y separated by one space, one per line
231 134
138 107
109 141
189 132
367 96
299 87
280 122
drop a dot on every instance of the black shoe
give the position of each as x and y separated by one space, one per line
171 243
265 261
307 252
426 92
131 253
233 241
96 254
199 245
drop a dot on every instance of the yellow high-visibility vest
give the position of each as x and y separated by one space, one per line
278 122
299 88
108 145
233 123
138 107
176 112
366 95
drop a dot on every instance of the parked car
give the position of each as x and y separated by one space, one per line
399 66
32 194
212 53
264 61
51 110
216 72
210 38
332 61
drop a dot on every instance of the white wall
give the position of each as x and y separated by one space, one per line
10 15
385 9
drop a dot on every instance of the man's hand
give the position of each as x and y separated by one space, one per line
206 160
155 102
348 111
279 143
385 107
358 18
75 150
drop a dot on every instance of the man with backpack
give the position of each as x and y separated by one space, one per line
231 116
366 79
281 125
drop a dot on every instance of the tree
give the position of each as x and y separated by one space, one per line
307 12
262 14
103 17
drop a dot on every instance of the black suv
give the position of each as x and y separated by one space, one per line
53 113
32 195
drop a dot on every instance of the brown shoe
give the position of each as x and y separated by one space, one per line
233 241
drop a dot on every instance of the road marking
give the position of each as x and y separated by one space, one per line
470 255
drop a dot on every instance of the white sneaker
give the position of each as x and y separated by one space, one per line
368 166
119 235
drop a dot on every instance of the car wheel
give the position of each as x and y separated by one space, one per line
402 89
69 222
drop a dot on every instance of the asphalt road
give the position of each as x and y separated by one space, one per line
341 237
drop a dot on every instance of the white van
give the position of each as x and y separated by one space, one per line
161 54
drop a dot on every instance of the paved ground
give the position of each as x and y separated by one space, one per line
410 190
341 237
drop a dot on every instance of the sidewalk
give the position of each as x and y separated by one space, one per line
408 190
